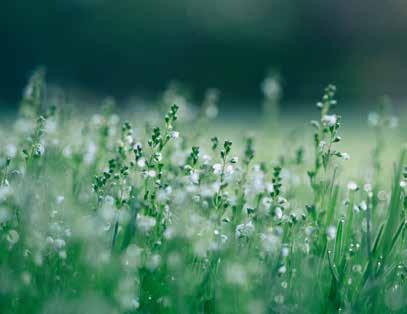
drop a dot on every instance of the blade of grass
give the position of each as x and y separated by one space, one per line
338 242
394 207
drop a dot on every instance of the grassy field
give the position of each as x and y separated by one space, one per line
172 210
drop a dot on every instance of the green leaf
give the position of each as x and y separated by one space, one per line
394 208
338 242
377 239
332 267
397 235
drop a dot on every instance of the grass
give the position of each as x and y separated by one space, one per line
170 211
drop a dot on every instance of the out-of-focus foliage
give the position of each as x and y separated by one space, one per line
118 47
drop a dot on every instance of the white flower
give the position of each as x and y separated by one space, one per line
11 150
403 184
151 173
168 190
236 274
194 177
5 191
4 215
270 187
40 149
217 169
223 238
96 119
282 269
50 126
90 154
141 162
278 213
132 256
60 199
329 120
234 160
393 122
174 135
153 262
67 152
62 254
352 186
309 230
281 200
229 170
107 212
279 299
206 159
49 240
363 205
145 223
269 242
285 251
373 118
59 244
13 237
26 278
109 200
322 144
267 201
158 156
114 119
68 232
345 156
367 187
271 88
331 232
211 111
129 139
245 230
169 233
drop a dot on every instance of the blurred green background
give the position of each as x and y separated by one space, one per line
128 47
